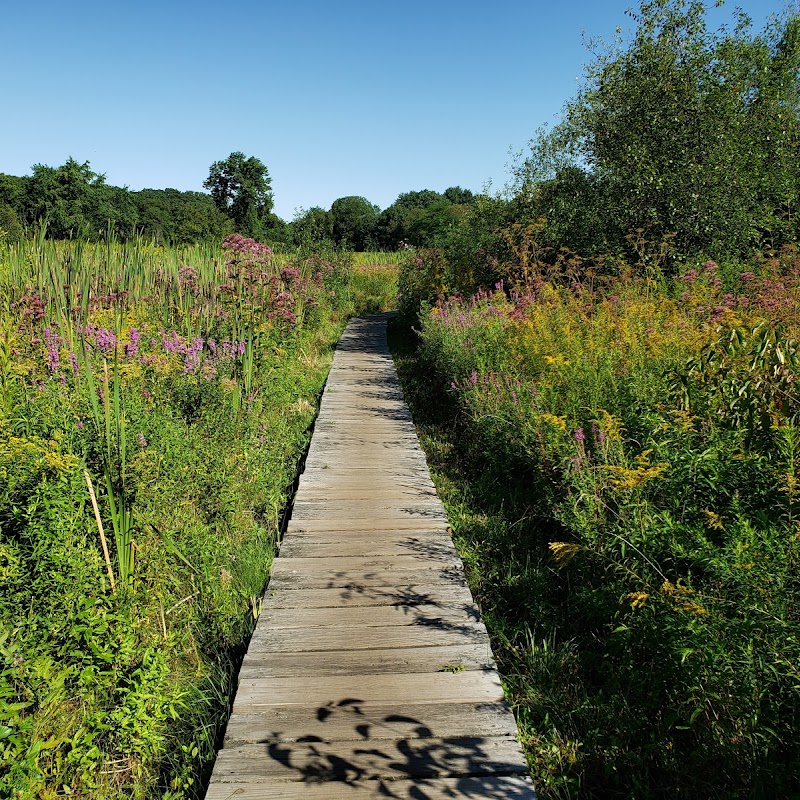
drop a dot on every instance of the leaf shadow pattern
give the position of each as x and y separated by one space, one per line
396 755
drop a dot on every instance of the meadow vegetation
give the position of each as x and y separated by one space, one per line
154 405
620 463
604 368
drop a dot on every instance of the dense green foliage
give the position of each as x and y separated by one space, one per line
354 220
75 202
241 189
179 385
619 464
682 132
613 416
415 219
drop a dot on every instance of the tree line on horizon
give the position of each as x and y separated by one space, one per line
681 141
74 201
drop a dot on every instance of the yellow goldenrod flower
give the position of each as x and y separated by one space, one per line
552 419
713 520
637 599
563 552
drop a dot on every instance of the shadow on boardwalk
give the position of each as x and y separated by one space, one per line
388 749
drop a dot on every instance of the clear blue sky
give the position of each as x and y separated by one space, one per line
345 97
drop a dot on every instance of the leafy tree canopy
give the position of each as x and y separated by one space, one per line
63 196
313 228
354 222
459 196
682 131
242 189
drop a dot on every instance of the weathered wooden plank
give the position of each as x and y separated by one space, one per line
413 504
339 690
372 492
380 616
299 640
483 787
437 548
321 481
358 470
345 509
352 456
368 761
369 440
437 658
350 596
365 721
352 459
385 523
360 564
327 424
357 579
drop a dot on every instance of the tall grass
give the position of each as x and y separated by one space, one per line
179 383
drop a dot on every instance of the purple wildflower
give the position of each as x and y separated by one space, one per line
105 339
132 348
52 341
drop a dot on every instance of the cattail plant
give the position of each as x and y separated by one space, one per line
108 415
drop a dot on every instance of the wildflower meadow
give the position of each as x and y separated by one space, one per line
154 405
619 457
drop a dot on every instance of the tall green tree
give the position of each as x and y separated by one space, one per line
313 228
354 222
680 131
242 189
459 196
65 197
395 224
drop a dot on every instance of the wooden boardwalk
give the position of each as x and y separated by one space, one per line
369 674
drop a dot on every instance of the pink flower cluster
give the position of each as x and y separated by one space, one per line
241 247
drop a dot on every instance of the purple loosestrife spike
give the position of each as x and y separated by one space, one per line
579 435
52 341
132 348
105 340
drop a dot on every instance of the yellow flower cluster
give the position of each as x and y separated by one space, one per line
713 520
556 361
563 552
682 597
611 425
556 422
637 599
626 478
20 453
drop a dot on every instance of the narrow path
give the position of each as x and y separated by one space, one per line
369 674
